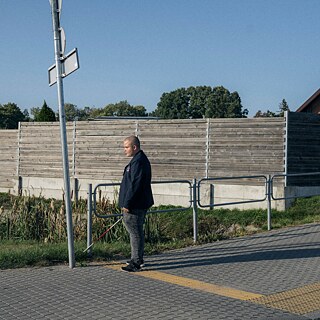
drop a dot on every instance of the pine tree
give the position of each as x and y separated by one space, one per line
45 114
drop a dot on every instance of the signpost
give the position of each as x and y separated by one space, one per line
64 65
69 64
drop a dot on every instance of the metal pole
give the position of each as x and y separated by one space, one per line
89 220
63 130
211 196
269 190
195 211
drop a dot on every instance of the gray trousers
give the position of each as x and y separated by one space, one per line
134 222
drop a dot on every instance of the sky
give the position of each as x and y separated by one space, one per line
136 50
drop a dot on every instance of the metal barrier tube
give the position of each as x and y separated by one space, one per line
95 200
195 211
230 203
168 210
294 175
195 199
269 194
89 220
152 211
92 206
174 209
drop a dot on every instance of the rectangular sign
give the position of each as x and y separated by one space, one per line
69 64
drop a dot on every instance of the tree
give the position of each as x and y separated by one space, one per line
35 112
224 104
173 105
73 113
45 114
200 102
26 115
10 116
85 113
123 108
268 114
283 106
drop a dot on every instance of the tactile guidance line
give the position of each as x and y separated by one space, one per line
300 301
194 284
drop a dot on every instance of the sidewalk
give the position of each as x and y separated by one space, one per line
273 275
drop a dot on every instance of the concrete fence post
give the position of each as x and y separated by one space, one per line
76 190
211 196
20 186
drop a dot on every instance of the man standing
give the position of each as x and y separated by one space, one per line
135 198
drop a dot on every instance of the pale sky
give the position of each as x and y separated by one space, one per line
266 50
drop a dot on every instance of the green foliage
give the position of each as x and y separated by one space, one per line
40 219
35 112
20 254
32 218
283 106
182 103
304 210
200 102
45 114
17 254
10 116
72 112
33 229
119 109
37 218
268 114
5 200
123 108
169 226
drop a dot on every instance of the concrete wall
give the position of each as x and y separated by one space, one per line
178 194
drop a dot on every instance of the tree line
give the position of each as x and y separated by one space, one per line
182 103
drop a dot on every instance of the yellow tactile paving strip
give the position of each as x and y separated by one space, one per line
299 301
194 284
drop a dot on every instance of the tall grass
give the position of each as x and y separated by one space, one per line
43 220
36 218
33 229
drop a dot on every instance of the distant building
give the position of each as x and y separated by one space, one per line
312 105
125 118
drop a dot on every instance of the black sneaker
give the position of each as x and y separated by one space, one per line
131 267
141 264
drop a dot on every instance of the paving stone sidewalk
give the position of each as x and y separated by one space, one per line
281 266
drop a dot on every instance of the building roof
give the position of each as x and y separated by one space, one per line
310 100
125 118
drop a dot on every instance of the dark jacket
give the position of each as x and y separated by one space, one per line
135 190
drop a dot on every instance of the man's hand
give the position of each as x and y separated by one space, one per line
125 210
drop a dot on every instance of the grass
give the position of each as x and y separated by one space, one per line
16 254
28 236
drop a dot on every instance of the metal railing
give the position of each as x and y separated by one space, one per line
265 182
292 175
195 198
211 205
92 204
